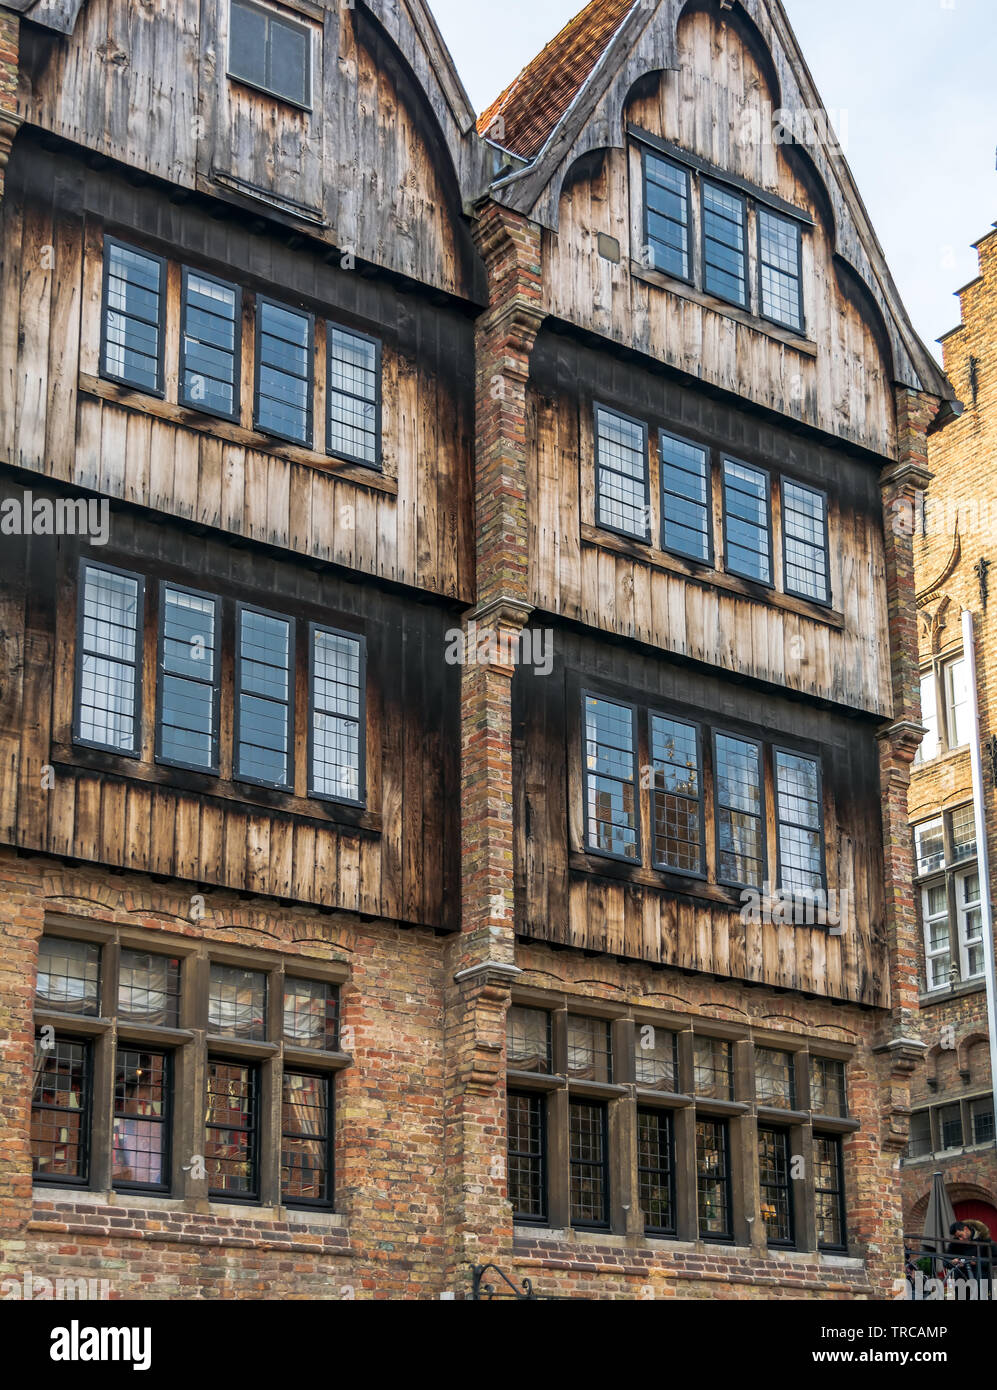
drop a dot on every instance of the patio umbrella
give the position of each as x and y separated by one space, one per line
938 1218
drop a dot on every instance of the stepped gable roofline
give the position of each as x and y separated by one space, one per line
589 117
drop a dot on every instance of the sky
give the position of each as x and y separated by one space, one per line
911 86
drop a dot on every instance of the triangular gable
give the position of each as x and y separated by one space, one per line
591 118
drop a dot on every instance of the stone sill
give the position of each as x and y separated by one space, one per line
49 1205
574 1241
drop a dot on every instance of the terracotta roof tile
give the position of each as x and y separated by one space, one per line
532 105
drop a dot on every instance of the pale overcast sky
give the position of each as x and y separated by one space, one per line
916 81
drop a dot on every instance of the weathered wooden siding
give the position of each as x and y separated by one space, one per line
571 898
714 105
410 524
580 572
369 168
396 859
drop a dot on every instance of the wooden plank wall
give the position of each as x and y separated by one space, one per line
411 525
397 859
706 106
636 591
569 898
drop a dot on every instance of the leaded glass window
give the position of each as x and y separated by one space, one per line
655 1171
134 297
264 691
685 498
676 795
527 1156
747 525
231 1138
800 816
775 1187
779 269
237 1003
306 1133
140 1137
610 763
725 261
589 1165
740 827
189 677
804 535
285 370
621 474
210 327
666 205
337 703
354 396
108 660
311 1014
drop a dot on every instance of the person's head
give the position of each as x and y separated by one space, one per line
960 1230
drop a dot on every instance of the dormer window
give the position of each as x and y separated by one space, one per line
270 51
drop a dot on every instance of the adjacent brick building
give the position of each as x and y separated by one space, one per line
956 561
458 671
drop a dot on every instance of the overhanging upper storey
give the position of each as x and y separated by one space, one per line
698 208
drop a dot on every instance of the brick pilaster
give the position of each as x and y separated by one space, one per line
480 963
10 121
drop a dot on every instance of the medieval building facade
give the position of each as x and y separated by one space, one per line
952 1127
458 667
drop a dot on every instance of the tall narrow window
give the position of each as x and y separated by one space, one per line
655 1171
676 796
958 716
747 525
920 1142
210 325
740 828
804 539
981 1114
930 744
774 1078
713 1068
827 1086
109 660
622 488
963 822
775 1188
354 365
666 216
527 1124
589 1167
189 679
829 1189
685 498
950 1126
713 1179
264 707
270 51
231 1129
134 296
60 1111
610 767
140 1139
306 1140
337 735
780 269
800 816
937 938
284 371
970 910
724 244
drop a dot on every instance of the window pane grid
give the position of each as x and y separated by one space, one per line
354 371
655 1171
827 1086
740 846
148 989
804 521
588 1186
230 1139
69 976
306 1112
209 340
676 795
528 1040
621 474
982 1119
108 660
590 1051
132 323
270 51
800 813
611 792
713 1180
527 1157
311 1014
963 827
775 1082
237 1003
60 1111
775 1188
713 1071
140 1136
188 679
666 202
656 1058
779 269
263 698
724 260
337 664
746 522
829 1190
284 380
685 498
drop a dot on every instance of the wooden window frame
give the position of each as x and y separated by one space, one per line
212 770
838 1192
288 784
739 197
645 151
235 416
702 874
377 464
709 561
784 481
637 860
800 328
169 1096
328 1201
255 1077
262 300
647 536
159 390
602 1109
82 1179
727 1236
759 747
768 584
538 1099
271 15
361 798
137 664
776 749
782 1135
670 1231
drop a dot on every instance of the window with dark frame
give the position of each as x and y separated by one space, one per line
804 542
713 1068
270 51
950 1126
237 1003
656 1171
68 978
747 522
109 660
210 344
621 472
686 501
780 272
284 371
981 1119
611 779
827 1086
656 1058
800 819
131 350
667 216
336 726
140 1135
306 1140
829 1188
775 1078
725 244
231 1129
676 796
713 1188
61 1111
590 1048
311 1014
354 396
775 1186
527 1156
739 801
148 989
588 1145
264 693
528 1040
189 679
